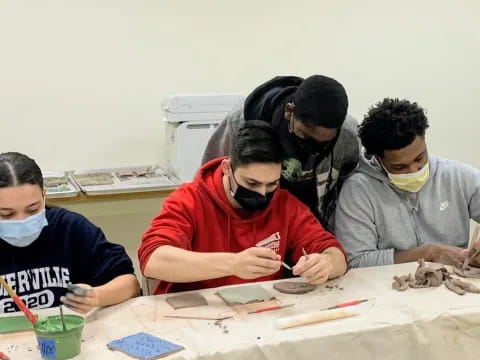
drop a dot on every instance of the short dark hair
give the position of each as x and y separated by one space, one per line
254 142
321 101
17 169
391 124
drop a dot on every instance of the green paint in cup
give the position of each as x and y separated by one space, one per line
53 342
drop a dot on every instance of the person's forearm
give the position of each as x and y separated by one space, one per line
118 290
169 263
404 256
339 265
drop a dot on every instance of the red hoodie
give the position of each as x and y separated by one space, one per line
198 217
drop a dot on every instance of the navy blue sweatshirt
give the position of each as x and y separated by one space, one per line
70 249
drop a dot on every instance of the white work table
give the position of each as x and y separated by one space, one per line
431 323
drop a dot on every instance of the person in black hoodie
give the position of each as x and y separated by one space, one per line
317 137
43 250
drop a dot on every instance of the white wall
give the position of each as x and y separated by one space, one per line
81 82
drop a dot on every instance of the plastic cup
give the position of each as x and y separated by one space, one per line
53 342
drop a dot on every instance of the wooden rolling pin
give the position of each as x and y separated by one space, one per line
313 318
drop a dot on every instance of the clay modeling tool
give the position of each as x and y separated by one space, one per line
313 318
270 308
345 304
63 320
33 319
305 253
3 356
283 263
198 317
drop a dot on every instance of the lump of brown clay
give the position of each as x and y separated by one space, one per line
426 276
468 272
465 286
453 287
293 287
400 283
472 272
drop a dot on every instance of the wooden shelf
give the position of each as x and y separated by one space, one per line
82 198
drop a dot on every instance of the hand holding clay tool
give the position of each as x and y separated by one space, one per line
345 304
63 319
283 263
305 253
18 301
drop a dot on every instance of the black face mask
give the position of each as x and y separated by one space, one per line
311 145
250 200
308 144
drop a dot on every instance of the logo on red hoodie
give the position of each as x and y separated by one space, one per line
272 242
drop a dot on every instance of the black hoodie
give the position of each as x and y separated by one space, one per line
267 102
301 171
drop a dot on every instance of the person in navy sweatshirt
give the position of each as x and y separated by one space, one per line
233 224
44 249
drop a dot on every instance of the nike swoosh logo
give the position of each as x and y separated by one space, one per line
444 205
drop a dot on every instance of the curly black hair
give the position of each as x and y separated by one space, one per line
391 124
321 101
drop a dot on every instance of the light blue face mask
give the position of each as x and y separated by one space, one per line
21 233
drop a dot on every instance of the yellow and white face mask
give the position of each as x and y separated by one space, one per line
412 182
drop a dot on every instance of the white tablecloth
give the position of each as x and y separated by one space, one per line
431 323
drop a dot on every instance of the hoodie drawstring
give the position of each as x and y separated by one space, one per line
228 244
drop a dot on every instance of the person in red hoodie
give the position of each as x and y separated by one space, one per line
233 224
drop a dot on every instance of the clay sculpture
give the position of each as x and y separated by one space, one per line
433 276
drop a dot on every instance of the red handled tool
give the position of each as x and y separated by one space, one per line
345 304
33 319
276 307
